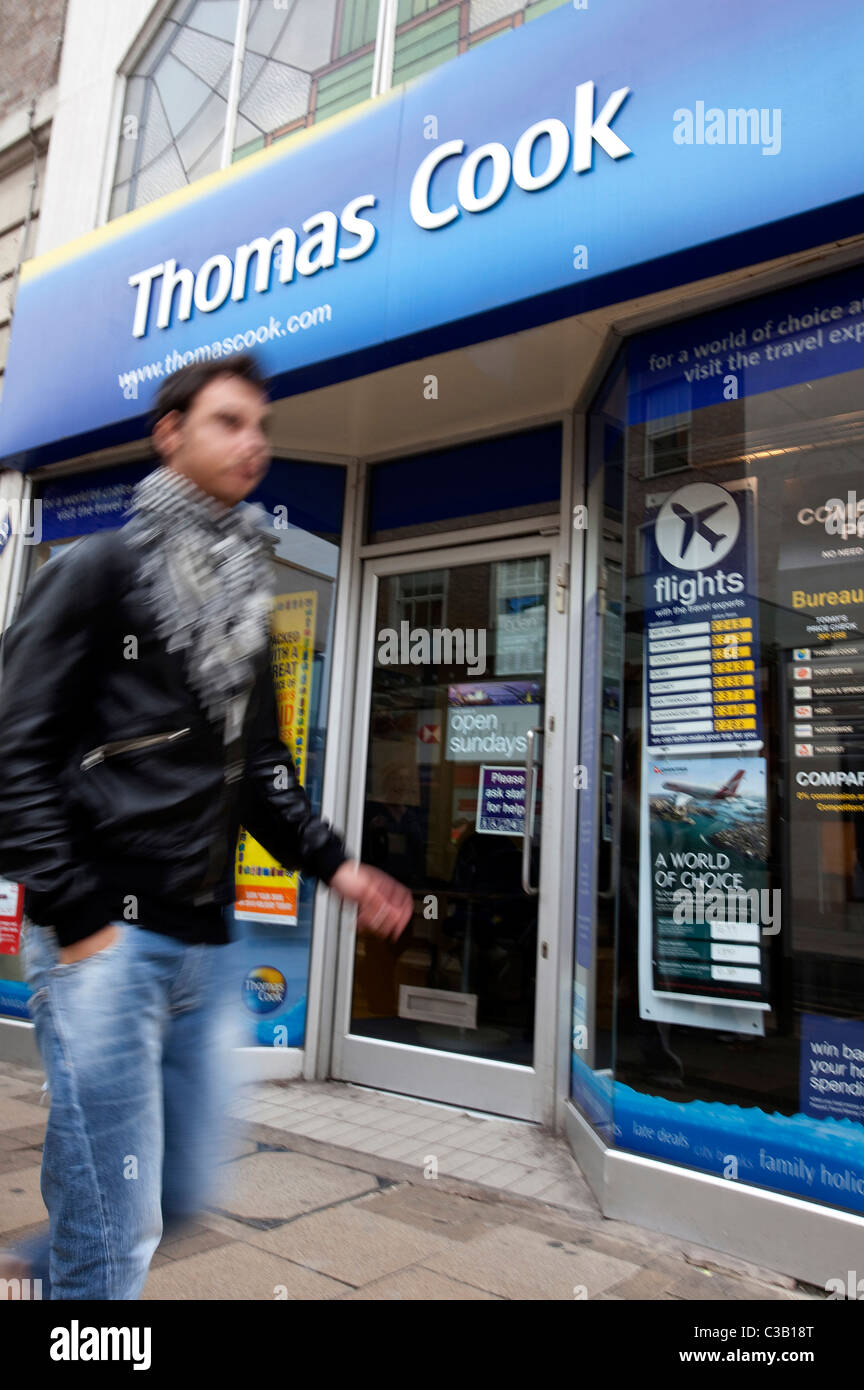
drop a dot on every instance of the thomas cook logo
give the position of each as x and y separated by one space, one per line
697 526
264 989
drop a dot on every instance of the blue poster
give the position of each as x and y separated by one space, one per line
832 1067
819 1159
271 969
14 995
501 797
701 619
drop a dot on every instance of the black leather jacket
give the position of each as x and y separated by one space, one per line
82 824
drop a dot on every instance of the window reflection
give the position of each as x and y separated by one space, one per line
744 1013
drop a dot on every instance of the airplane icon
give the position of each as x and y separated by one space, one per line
688 791
695 523
682 533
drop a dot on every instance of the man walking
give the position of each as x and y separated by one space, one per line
139 728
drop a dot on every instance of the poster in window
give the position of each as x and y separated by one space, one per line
265 892
711 904
707 908
820 600
701 618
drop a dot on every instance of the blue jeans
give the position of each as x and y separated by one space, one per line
136 1048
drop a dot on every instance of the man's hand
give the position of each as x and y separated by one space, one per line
384 906
89 945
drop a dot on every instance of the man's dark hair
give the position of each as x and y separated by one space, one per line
179 390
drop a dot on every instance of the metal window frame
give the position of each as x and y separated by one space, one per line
385 48
327 908
526 1091
336 937
233 100
19 560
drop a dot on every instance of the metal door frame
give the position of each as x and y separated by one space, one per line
449 1077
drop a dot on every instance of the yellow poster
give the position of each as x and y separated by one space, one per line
265 892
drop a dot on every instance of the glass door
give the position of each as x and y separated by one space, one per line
451 799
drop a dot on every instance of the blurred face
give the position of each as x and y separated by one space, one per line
220 442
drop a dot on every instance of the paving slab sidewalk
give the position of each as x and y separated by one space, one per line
302 1217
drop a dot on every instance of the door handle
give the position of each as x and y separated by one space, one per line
615 847
530 783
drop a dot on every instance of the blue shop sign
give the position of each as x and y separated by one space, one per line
576 160
89 502
800 334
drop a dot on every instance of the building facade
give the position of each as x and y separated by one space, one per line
28 95
566 342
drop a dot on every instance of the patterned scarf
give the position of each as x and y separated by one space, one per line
207 570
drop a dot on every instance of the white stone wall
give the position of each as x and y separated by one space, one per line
83 140
19 211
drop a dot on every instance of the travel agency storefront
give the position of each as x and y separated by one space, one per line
567 349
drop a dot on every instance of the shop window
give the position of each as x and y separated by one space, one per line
430 33
518 599
719 981
302 63
667 448
492 480
420 599
414 9
425 45
274 909
320 84
176 103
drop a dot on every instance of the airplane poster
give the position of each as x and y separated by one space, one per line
701 619
709 837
